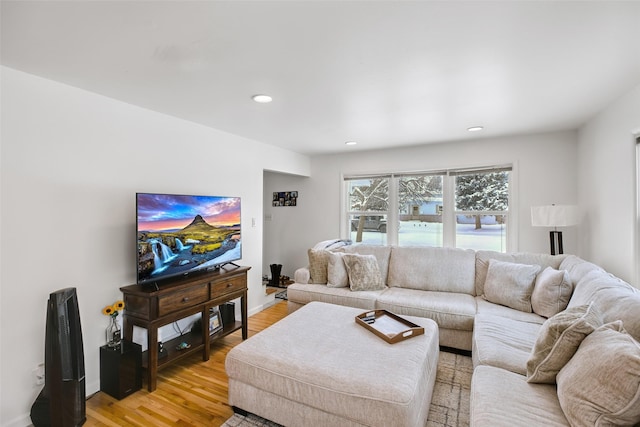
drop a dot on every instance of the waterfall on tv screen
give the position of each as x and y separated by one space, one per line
162 255
180 246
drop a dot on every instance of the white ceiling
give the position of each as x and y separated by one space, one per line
383 73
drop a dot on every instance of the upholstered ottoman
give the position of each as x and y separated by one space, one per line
318 367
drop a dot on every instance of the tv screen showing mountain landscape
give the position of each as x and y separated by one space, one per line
178 234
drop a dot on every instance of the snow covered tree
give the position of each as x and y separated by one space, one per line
368 195
417 189
372 195
482 192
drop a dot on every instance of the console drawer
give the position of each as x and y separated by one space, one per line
229 285
187 298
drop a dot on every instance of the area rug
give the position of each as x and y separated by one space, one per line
282 295
449 404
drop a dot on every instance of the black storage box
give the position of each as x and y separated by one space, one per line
121 369
228 313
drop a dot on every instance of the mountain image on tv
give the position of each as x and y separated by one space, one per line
178 234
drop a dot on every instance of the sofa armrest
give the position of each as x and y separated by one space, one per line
302 275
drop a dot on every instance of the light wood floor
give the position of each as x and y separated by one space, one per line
189 393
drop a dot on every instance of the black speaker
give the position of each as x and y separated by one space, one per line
228 313
62 400
121 369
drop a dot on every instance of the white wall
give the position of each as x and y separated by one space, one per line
279 222
606 173
71 163
545 169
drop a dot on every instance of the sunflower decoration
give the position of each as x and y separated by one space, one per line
114 309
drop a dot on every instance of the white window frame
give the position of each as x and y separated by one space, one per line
345 215
448 196
452 176
636 138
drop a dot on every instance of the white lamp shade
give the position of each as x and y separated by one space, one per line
554 216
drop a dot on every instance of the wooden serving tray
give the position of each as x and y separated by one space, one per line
390 327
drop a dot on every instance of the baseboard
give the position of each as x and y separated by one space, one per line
259 308
92 388
22 421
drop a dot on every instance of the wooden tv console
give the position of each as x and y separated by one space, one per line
151 308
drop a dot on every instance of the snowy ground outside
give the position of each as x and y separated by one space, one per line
414 233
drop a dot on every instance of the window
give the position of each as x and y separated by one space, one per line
481 207
420 207
367 209
455 208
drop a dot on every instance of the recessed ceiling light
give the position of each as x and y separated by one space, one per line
350 143
262 99
475 128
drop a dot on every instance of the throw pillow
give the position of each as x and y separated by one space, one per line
551 292
318 261
558 340
364 273
600 385
337 276
510 284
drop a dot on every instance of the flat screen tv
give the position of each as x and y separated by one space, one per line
182 234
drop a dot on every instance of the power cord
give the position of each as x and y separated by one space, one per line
176 328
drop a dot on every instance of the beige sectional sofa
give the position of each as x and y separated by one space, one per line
554 339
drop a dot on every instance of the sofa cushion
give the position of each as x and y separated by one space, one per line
577 268
551 292
510 284
302 275
450 311
381 253
318 261
337 275
432 269
364 274
502 342
486 307
500 398
483 257
304 294
613 297
592 282
558 341
600 385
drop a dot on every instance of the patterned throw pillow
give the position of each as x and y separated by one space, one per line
558 340
364 273
318 261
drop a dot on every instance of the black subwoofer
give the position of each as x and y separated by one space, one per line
121 369
228 313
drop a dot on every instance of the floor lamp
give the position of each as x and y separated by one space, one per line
554 216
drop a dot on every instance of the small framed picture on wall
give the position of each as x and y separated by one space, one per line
285 198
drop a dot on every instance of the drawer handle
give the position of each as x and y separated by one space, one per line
185 299
229 285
